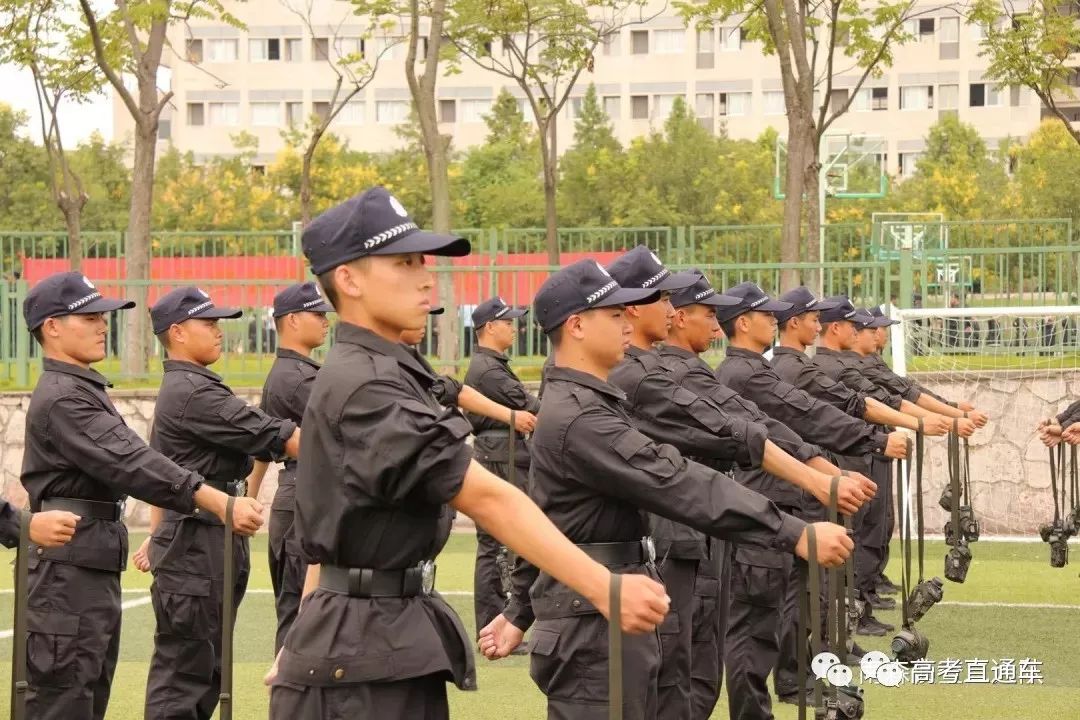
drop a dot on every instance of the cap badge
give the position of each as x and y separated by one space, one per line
398 207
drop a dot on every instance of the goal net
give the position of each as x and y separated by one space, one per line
1018 364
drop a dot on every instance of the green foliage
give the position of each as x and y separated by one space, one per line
592 170
1047 179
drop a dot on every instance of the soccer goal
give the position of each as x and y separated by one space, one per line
1019 365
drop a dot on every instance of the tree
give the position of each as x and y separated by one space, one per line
24 178
590 171
814 41
353 68
544 46
35 36
129 41
500 179
1046 177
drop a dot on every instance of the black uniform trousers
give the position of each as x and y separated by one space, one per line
287 571
186 557
489 598
423 698
73 640
786 676
872 530
676 635
759 579
711 601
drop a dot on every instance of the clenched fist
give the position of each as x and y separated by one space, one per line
52 528
833 544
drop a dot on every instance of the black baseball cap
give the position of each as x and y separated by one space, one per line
302 297
66 293
880 318
495 309
842 310
641 268
751 298
802 301
863 319
371 223
585 285
700 292
187 303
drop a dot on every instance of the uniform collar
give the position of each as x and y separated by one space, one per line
822 350
174 365
748 354
634 351
783 350
355 335
501 357
293 355
85 373
585 380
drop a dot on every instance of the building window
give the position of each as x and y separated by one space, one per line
610 44
879 98
706 49
390 48
392 112
735 104
164 129
704 105
448 111
321 110
224 114
526 110
196 114
731 38
774 102
352 113
266 114
908 162
473 111
917 97
984 95
348 47
294 50
264 49
639 107
639 42
669 42
950 30
837 99
221 51
294 114
194 51
948 97
573 107
926 28
320 48
662 106
613 106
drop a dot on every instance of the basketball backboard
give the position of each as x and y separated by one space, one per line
852 166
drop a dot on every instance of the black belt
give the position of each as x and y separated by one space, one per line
370 583
236 488
640 552
111 511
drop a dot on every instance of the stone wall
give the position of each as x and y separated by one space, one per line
1009 466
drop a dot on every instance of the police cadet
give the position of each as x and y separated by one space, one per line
593 473
300 318
693 329
490 374
80 462
1065 426
201 425
667 412
382 461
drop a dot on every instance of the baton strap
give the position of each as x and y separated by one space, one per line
225 697
615 687
800 653
513 441
920 449
905 539
18 646
815 603
836 578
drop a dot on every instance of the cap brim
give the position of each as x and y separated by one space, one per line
719 300
427 243
677 281
514 314
104 305
628 296
880 322
772 306
436 311
822 305
218 313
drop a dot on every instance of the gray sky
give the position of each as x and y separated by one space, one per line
77 122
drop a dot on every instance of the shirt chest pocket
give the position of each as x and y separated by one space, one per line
640 452
110 433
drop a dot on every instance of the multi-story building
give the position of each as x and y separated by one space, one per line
274 74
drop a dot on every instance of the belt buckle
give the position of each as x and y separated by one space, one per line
121 506
241 488
427 576
648 550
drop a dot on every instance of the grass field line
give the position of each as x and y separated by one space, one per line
127 604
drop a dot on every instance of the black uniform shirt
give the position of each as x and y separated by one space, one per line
9 525
78 446
285 395
593 473
669 413
1070 415
380 458
793 366
749 374
202 425
490 374
876 367
846 367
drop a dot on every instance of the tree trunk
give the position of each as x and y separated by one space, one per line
812 184
791 229
439 180
137 245
73 222
549 155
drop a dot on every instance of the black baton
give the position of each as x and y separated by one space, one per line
18 644
227 618
615 689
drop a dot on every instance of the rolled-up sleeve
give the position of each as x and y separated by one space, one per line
222 418
447 390
1070 415
622 462
519 608
101 445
